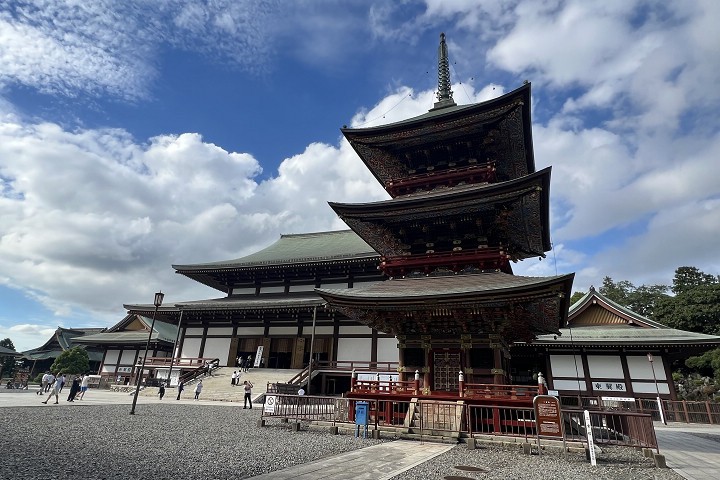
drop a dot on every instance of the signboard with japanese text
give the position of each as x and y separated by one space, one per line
548 418
609 386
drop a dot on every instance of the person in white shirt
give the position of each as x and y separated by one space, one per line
57 385
84 386
234 378
198 389
43 383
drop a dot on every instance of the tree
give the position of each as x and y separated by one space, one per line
73 361
576 297
696 309
7 364
642 300
687 278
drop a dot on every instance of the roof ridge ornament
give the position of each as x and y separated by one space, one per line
444 94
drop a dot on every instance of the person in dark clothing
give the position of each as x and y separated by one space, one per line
74 389
247 386
181 386
161 390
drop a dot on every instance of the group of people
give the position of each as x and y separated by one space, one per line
245 363
55 383
247 387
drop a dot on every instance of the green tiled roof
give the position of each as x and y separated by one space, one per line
162 331
298 248
8 353
625 335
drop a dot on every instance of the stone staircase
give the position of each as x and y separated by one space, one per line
218 387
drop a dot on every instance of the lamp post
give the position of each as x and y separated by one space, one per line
177 338
657 389
158 301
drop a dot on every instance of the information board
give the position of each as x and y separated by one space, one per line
548 418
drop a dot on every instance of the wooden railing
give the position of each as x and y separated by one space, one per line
344 366
488 390
177 362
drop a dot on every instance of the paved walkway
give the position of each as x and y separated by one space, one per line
378 462
692 450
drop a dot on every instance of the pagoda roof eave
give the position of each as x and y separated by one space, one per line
593 297
470 288
240 302
625 336
442 113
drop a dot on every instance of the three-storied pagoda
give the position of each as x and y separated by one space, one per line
466 203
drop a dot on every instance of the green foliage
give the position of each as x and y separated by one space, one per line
7 364
576 297
643 299
688 278
694 386
695 309
73 361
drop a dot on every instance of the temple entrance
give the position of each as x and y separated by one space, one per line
446 369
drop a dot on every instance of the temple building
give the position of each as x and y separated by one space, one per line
421 288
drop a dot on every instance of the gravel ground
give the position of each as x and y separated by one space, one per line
159 442
219 442
615 463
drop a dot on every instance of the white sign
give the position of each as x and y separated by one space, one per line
124 369
618 399
609 386
258 356
591 441
384 377
269 404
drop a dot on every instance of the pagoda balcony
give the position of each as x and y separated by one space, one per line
491 258
484 173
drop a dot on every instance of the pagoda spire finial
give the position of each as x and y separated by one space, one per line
444 93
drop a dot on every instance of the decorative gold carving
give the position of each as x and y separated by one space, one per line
469 370
497 371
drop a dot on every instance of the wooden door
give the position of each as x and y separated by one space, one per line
446 369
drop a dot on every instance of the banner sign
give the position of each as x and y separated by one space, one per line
258 356
590 440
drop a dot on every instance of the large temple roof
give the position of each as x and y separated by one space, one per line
116 335
62 339
450 305
310 255
291 249
473 288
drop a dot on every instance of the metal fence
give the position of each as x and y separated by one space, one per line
455 419
674 410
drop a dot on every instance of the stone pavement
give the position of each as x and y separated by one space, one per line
692 450
378 462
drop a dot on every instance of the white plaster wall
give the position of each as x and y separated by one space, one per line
355 330
357 349
564 366
288 331
649 387
244 291
387 350
191 348
250 331
217 348
605 366
307 330
225 331
108 368
194 331
568 385
111 357
640 368
275 289
128 357
302 288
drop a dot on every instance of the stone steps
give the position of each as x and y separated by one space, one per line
218 386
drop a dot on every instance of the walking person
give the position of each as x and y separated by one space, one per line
161 390
233 382
62 381
198 389
84 385
247 386
74 389
50 382
181 387
55 390
43 383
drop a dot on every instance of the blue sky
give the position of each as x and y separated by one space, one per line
139 134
